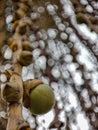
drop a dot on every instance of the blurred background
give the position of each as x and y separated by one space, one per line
64 36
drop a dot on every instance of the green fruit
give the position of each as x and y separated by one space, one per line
41 99
25 58
80 17
27 46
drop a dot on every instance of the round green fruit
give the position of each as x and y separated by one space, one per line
41 99
25 58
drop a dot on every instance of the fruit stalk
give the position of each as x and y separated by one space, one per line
3 122
15 106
